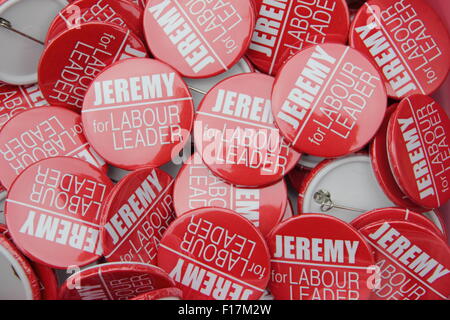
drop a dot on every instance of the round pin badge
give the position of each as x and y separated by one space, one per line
42 133
382 170
75 57
225 254
200 87
236 136
23 27
53 211
413 262
19 282
407 42
197 187
318 257
162 294
199 39
395 214
418 138
15 99
284 28
328 100
138 112
344 188
123 13
114 281
135 216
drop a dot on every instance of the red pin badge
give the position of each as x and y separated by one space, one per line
382 169
413 262
162 294
114 281
138 112
19 282
137 213
53 211
15 99
42 133
236 136
76 56
284 28
317 257
418 150
407 42
199 39
328 100
395 214
123 13
197 187
225 254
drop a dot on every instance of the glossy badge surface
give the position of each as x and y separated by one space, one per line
407 42
223 251
235 134
53 211
317 257
199 39
328 100
418 140
285 27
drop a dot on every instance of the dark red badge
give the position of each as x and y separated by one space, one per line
137 213
76 56
53 211
225 254
317 257
123 13
284 28
236 136
114 281
413 262
197 187
419 152
162 294
328 100
407 42
15 99
199 38
138 112
42 133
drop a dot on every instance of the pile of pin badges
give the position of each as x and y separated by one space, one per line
227 150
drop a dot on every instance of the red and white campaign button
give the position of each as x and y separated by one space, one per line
138 112
15 99
236 136
162 294
137 213
328 100
19 282
407 42
284 28
382 169
53 211
48 283
19 54
395 214
76 56
215 254
42 133
119 12
198 86
114 281
197 187
413 262
344 188
199 38
419 153
317 257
